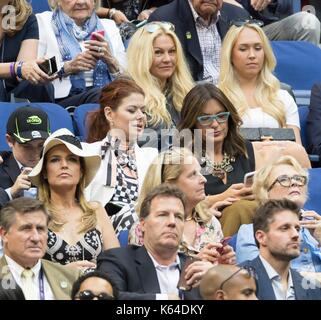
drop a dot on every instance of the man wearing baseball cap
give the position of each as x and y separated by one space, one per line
27 129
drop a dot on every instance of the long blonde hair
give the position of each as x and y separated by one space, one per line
23 11
167 168
267 84
140 55
88 219
261 179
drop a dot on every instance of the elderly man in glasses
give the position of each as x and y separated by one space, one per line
277 233
228 282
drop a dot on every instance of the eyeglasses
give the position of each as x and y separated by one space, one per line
89 295
286 181
241 23
155 25
207 120
250 273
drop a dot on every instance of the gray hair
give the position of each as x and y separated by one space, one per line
53 4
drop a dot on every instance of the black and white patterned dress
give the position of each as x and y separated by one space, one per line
87 248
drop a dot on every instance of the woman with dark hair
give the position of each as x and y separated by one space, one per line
19 36
114 130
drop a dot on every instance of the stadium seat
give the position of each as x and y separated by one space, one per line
39 6
123 238
303 114
298 63
314 190
232 241
80 114
58 117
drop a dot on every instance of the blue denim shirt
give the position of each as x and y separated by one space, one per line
309 259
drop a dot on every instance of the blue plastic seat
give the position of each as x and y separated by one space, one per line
303 114
314 190
80 115
298 63
58 117
39 6
123 238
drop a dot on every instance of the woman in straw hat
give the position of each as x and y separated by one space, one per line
79 230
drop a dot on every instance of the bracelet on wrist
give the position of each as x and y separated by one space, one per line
61 73
19 71
13 69
111 13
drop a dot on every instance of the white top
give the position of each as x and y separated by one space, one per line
256 118
168 277
48 47
16 271
275 278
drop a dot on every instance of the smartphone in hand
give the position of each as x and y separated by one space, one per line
93 36
249 179
49 66
182 285
224 243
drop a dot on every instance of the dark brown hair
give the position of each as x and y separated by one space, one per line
163 190
193 104
111 96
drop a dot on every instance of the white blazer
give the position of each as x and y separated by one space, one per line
48 46
97 190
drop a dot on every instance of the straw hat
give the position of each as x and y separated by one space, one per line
65 137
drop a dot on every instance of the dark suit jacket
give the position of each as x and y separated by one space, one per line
265 289
180 15
314 121
9 171
134 273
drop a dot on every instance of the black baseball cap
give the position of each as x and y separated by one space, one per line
28 123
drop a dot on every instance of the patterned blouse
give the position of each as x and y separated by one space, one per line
87 248
205 233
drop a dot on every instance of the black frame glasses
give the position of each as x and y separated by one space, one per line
208 119
242 22
153 26
250 274
89 295
287 182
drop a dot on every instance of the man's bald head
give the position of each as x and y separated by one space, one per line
241 286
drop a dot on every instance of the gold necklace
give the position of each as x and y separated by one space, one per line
218 169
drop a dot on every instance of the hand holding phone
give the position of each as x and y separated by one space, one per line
224 243
49 66
93 36
182 284
249 179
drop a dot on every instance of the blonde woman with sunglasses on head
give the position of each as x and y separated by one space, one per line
156 62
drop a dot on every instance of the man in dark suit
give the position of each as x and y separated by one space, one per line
200 26
153 270
276 228
27 129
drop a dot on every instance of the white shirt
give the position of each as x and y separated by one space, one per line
257 118
275 278
167 276
16 271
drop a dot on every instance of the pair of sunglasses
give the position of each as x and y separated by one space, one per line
89 295
208 119
241 22
156 25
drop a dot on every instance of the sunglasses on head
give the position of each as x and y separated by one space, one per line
89 295
241 23
156 25
208 119
250 273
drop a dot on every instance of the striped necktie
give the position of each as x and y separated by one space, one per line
28 286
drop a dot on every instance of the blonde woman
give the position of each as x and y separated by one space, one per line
19 36
79 230
285 178
202 230
157 64
247 63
